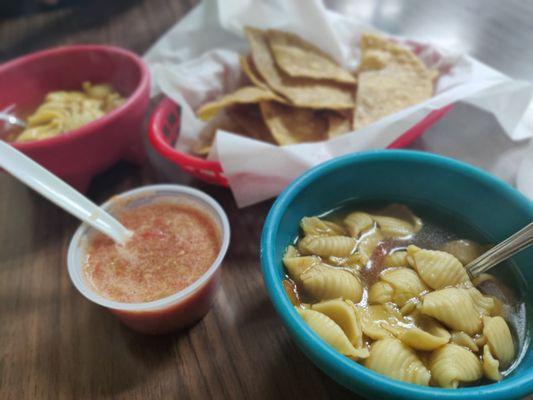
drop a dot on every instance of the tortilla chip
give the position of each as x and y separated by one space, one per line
374 59
389 90
202 149
241 119
392 78
338 124
303 92
205 140
244 95
375 46
248 67
250 120
291 125
300 58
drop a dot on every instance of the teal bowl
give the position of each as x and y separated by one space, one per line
447 186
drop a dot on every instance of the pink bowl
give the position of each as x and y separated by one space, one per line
78 155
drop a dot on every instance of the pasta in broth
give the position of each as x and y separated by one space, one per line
377 290
64 111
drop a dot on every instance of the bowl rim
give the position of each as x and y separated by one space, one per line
93 126
157 138
77 279
326 355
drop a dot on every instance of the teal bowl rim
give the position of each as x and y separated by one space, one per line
325 355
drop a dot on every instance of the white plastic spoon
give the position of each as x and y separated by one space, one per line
54 189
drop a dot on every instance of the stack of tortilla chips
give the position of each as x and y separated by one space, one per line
297 93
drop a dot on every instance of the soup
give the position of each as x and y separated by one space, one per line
390 291
172 246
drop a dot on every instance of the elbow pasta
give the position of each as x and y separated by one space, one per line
407 312
64 111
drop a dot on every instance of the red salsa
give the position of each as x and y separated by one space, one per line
172 246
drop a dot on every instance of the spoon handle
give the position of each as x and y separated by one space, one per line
502 251
54 189
12 120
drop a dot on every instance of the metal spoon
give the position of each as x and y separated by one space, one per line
12 120
502 251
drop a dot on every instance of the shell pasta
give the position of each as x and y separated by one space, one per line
393 358
370 288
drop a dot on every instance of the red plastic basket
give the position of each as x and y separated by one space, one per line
165 127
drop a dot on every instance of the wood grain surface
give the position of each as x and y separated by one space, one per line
56 345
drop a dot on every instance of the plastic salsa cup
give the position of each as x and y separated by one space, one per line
169 313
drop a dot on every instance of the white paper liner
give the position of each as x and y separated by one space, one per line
198 60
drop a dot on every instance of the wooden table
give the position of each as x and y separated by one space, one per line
54 344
